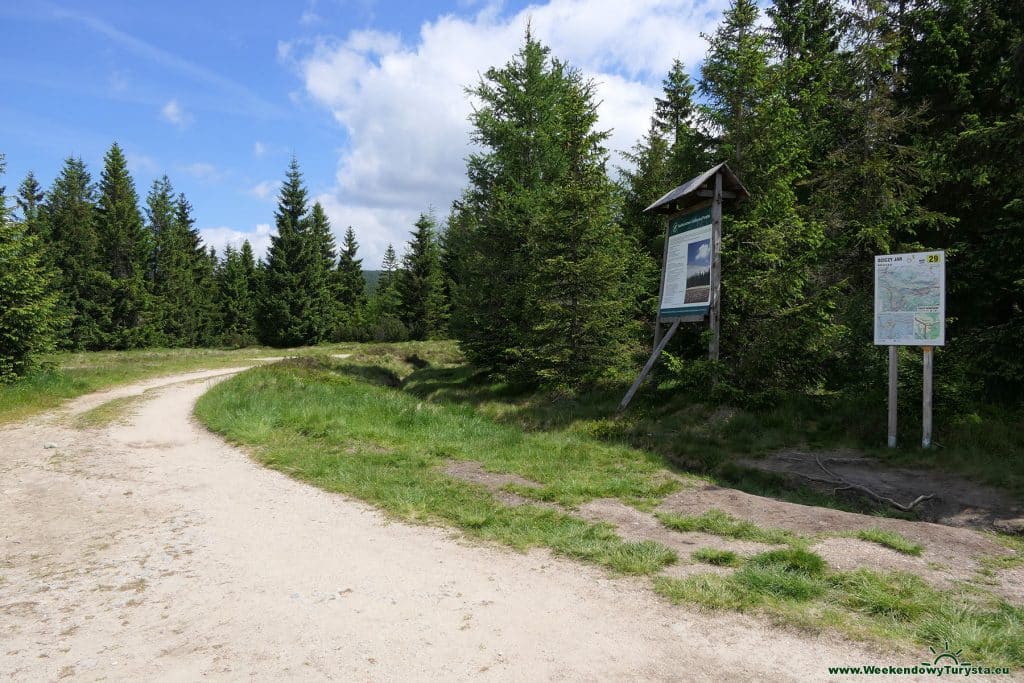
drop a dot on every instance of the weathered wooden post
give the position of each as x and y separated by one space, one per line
690 287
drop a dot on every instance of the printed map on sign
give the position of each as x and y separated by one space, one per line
910 299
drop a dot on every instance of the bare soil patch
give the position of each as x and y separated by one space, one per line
956 501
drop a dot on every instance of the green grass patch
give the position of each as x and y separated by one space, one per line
107 413
891 540
886 607
321 422
68 375
719 523
796 587
718 558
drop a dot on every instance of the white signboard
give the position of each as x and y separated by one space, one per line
910 299
686 285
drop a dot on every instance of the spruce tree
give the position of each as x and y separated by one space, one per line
420 283
28 300
351 282
237 301
775 327
544 292
675 116
384 306
325 311
964 61
169 278
30 204
288 303
69 217
123 253
201 282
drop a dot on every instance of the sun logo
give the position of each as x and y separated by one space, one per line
951 658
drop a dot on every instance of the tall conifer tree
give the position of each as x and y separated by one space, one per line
28 300
544 293
69 216
288 302
123 252
420 283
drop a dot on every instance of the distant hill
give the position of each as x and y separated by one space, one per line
372 277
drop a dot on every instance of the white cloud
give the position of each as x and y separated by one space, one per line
173 113
703 252
202 171
221 237
405 111
140 163
264 189
259 149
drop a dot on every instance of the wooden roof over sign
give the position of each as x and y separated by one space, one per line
701 186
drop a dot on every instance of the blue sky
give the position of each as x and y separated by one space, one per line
367 94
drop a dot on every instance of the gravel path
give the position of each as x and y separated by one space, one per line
151 550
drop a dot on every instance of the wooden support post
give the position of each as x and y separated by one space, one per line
648 365
716 268
926 404
661 283
894 369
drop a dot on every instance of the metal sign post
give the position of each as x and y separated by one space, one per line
926 403
910 310
894 382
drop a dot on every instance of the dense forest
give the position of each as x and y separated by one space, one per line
83 267
859 128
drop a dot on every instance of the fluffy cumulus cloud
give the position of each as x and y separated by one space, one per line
221 237
404 107
173 113
265 189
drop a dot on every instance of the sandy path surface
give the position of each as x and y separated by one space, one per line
151 550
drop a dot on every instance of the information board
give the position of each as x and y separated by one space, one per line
686 277
910 299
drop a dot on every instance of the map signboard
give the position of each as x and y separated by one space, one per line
686 278
910 299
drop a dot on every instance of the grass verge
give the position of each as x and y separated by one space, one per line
718 558
327 424
891 540
67 375
795 587
723 524
107 413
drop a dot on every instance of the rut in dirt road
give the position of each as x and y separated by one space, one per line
152 550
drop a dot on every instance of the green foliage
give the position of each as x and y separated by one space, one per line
123 251
543 293
28 302
351 290
420 284
384 323
183 291
73 245
291 311
237 296
968 71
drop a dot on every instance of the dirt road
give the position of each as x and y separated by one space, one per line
151 550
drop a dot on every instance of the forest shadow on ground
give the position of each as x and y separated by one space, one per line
737 447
